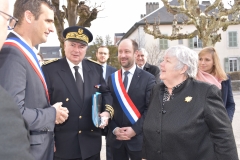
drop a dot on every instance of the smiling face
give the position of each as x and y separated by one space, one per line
205 62
126 54
43 26
102 55
141 58
74 51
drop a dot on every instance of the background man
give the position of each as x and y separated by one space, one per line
125 135
74 80
22 77
141 61
102 55
14 140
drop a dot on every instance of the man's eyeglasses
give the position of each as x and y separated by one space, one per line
12 21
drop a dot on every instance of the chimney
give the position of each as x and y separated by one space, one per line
206 3
151 6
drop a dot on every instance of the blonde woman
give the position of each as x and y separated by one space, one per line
210 71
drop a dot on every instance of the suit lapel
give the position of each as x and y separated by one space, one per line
146 67
87 78
136 77
107 72
66 75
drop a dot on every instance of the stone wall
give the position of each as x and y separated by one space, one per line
236 85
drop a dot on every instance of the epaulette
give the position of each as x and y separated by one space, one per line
50 61
93 61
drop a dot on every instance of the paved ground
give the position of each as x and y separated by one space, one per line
235 124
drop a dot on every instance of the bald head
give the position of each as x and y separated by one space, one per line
4 7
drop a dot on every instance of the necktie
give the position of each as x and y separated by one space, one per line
125 81
79 81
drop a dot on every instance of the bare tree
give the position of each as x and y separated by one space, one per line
71 13
206 22
155 55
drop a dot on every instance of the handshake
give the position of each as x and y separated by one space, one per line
61 113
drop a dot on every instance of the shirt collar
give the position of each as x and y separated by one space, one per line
104 65
71 65
132 70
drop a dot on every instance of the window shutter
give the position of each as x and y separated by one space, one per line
238 63
165 44
226 65
190 43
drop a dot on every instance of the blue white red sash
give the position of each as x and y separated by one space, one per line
30 56
124 100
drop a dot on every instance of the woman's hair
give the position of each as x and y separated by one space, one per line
185 56
217 69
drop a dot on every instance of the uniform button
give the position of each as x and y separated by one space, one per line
91 130
80 117
79 132
164 111
159 152
158 131
67 99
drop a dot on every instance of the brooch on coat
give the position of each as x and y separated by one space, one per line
188 99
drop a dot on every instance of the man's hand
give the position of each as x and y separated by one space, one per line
61 113
124 133
104 119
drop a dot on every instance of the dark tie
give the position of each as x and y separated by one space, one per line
125 81
79 81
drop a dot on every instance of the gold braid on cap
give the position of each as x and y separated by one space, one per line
78 35
110 110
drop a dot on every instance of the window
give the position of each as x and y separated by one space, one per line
232 64
180 41
232 39
163 43
195 42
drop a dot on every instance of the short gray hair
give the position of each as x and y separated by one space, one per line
143 51
185 56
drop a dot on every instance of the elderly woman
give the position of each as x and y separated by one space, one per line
186 118
210 70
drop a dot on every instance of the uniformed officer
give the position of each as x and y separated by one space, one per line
73 80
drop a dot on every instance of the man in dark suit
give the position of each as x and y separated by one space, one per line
141 61
130 103
22 77
14 139
102 55
74 80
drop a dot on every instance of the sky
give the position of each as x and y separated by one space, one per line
117 16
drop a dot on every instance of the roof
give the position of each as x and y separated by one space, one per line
50 52
166 18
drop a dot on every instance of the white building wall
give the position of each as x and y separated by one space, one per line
224 51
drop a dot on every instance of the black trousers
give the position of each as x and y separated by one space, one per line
95 157
123 153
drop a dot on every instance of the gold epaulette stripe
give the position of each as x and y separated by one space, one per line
93 61
50 61
110 110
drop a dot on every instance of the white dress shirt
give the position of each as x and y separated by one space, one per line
104 67
130 75
71 65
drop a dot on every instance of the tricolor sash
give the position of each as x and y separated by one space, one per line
31 58
123 98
